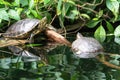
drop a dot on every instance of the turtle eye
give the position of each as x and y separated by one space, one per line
75 50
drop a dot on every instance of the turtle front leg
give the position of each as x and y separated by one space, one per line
30 40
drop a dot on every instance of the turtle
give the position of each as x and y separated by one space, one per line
86 47
23 28
26 55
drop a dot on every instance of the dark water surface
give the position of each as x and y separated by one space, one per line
61 65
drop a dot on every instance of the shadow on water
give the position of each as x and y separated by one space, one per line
62 65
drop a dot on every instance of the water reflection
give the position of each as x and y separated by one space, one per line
62 65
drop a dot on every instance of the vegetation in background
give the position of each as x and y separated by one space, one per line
98 14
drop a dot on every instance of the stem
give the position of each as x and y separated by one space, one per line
107 63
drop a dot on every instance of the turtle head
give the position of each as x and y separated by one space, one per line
79 35
42 23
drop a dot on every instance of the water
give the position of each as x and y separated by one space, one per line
61 65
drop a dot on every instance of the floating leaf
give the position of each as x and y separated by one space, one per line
13 14
100 34
92 23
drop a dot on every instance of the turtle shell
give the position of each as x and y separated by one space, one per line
22 28
86 47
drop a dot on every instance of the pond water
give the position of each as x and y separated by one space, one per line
61 64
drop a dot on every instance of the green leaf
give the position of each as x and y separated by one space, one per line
17 2
117 40
100 34
71 2
0 21
117 34
83 77
19 10
75 12
113 5
110 27
63 11
34 13
46 1
99 14
66 7
28 13
92 23
29 45
59 6
119 1
72 12
85 16
31 4
61 19
24 2
4 15
117 31
116 62
13 14
5 2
